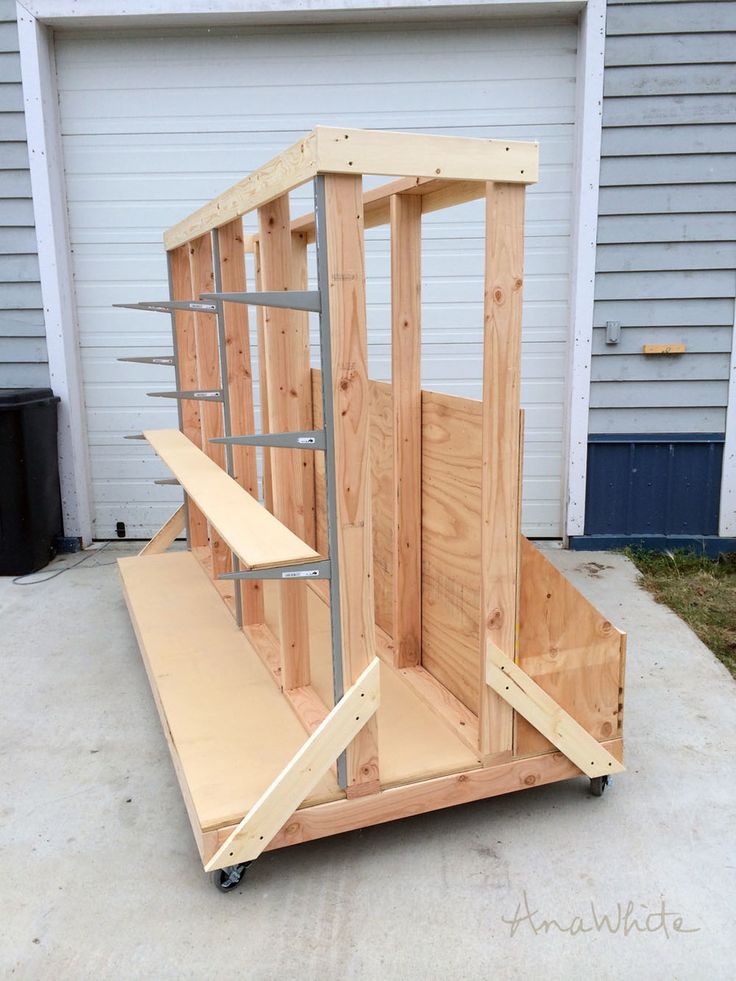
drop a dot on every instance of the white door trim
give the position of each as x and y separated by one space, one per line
588 120
48 185
48 189
94 13
727 523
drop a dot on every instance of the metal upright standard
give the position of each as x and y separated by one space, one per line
495 674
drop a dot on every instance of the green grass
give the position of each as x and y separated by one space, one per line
701 590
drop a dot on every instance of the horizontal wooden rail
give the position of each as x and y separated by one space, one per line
331 150
258 538
435 195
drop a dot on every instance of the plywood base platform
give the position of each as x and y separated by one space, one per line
230 729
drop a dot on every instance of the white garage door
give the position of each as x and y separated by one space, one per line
155 125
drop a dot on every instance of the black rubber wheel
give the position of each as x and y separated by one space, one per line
598 785
229 878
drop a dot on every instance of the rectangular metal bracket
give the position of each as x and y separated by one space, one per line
313 439
166 306
308 300
205 395
167 482
164 359
308 570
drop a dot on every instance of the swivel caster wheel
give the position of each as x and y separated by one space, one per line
229 878
598 785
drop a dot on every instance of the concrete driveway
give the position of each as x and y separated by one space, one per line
101 878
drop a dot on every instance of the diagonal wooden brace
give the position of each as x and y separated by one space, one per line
166 535
539 709
299 777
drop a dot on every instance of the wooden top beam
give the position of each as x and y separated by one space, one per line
365 151
330 150
283 173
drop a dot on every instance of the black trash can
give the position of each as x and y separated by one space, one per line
30 502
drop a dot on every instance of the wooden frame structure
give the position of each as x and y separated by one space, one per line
495 673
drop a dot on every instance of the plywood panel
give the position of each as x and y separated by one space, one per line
258 538
451 470
414 742
451 453
570 649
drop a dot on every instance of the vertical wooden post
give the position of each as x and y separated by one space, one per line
262 381
300 281
208 377
351 400
406 246
186 345
286 347
501 456
240 386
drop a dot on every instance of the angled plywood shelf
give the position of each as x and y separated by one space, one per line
201 668
218 702
258 538
445 660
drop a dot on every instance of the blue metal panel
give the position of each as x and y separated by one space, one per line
710 545
654 485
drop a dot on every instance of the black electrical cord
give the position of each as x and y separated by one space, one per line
23 580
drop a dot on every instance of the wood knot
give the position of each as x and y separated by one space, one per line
291 829
606 729
529 780
518 283
606 627
463 778
494 619
498 295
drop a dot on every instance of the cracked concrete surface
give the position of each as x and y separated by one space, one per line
101 878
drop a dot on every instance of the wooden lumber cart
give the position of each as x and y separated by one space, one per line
357 631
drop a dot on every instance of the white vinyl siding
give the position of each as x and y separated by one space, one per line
154 125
